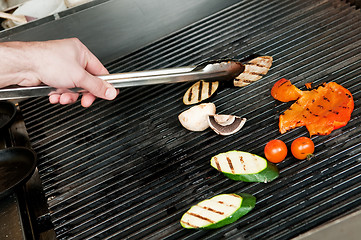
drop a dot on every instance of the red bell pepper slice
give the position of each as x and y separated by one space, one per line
321 110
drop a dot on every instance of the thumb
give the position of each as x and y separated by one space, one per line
97 86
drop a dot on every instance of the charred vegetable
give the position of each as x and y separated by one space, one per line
254 70
244 166
195 118
284 91
321 110
225 124
218 211
200 91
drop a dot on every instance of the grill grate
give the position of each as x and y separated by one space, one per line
127 169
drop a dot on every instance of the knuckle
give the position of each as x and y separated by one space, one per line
75 40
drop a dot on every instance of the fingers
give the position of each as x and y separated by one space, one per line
79 68
68 98
54 99
87 99
65 98
97 86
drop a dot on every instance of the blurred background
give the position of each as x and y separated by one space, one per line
17 12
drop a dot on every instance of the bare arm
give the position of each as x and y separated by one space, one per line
59 63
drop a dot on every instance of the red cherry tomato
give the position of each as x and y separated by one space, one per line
275 151
302 148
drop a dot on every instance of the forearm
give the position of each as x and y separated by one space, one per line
16 64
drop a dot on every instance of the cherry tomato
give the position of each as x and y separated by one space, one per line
302 148
275 151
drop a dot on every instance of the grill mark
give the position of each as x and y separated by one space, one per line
326 99
242 162
284 82
212 210
200 90
228 205
256 74
190 94
201 217
210 88
217 164
256 64
247 81
187 223
230 164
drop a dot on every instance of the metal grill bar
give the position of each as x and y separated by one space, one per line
127 169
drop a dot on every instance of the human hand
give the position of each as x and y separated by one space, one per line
61 64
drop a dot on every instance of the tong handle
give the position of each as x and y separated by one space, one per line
214 72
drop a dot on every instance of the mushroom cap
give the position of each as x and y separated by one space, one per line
196 117
225 124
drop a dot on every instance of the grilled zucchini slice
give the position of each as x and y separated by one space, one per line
200 91
218 211
254 70
244 166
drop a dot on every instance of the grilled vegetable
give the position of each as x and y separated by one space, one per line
196 118
283 90
254 70
321 110
225 124
200 91
244 166
218 211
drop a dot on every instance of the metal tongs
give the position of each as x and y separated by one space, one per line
224 70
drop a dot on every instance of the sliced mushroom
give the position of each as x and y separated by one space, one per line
196 117
200 91
254 70
225 124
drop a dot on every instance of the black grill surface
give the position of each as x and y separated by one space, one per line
128 169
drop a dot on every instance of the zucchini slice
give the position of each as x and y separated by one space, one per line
218 211
200 91
244 166
254 70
